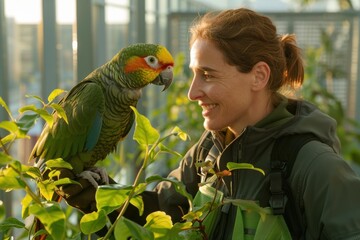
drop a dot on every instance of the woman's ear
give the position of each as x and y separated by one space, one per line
261 72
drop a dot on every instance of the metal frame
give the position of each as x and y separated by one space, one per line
5 197
48 50
3 60
85 45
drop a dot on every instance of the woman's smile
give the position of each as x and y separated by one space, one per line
207 109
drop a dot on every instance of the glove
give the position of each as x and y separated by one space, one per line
80 196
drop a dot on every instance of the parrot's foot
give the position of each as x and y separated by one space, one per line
95 175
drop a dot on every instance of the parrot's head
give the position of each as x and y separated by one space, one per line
144 63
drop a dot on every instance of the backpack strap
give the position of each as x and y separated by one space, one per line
205 144
283 156
282 159
207 152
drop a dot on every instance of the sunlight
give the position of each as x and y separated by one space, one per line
65 11
29 11
23 11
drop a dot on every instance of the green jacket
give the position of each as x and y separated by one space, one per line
324 186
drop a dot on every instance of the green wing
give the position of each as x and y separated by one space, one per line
84 106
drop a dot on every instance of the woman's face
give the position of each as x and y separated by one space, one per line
224 94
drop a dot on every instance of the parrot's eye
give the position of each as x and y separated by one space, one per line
152 61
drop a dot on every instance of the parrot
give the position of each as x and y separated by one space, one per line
98 109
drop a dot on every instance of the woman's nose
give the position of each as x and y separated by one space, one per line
195 92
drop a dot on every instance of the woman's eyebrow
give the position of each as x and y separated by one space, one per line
208 69
204 68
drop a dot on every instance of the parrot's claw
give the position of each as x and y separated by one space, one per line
95 175
102 173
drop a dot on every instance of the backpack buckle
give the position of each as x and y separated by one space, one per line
278 197
277 203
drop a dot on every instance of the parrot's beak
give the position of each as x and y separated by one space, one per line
165 78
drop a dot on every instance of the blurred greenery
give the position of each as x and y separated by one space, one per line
179 110
321 72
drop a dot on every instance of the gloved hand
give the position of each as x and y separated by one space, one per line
80 196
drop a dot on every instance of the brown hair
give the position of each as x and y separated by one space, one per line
246 38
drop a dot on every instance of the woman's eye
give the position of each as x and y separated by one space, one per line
206 75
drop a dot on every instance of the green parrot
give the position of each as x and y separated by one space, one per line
98 109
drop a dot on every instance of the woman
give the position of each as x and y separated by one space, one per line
240 64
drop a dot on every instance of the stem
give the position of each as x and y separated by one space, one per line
213 200
28 188
32 194
5 149
132 192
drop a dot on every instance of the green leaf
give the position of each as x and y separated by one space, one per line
158 223
25 169
176 232
40 233
140 188
25 202
182 135
4 105
9 126
137 201
60 111
164 148
10 179
42 112
93 222
36 98
237 166
15 131
111 197
127 229
5 159
63 181
33 172
2 211
54 174
178 185
54 94
249 205
9 138
144 133
46 189
196 215
58 163
9 223
31 107
52 217
17 166
192 234
27 121
273 227
47 117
